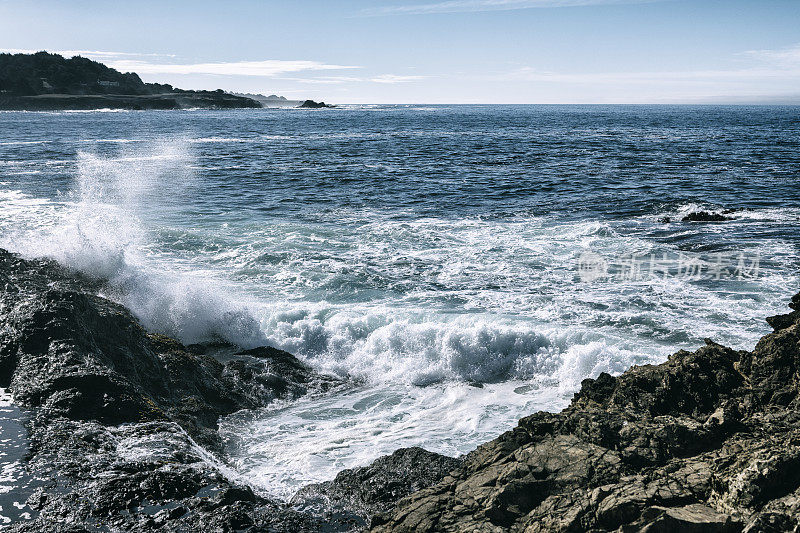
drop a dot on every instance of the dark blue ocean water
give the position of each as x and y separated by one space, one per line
418 249
464 160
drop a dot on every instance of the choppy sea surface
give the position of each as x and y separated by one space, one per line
464 266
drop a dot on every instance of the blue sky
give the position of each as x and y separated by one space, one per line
436 51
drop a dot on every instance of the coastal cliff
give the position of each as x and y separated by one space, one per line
122 435
43 81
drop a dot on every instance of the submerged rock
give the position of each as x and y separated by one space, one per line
707 441
705 216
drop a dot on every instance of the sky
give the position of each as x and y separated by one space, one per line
435 51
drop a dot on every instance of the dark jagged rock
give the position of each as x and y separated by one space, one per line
71 353
707 441
780 322
117 415
138 477
706 216
311 104
355 495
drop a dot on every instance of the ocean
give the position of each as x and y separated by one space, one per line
460 266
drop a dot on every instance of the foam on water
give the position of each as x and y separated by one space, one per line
16 484
420 347
354 426
418 308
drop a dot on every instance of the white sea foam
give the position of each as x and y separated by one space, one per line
396 345
464 300
205 140
776 214
415 308
353 427
102 110
118 141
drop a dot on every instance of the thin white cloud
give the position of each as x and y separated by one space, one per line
324 80
788 57
458 6
698 76
268 68
332 80
394 78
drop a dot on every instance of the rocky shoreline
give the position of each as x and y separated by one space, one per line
122 424
177 100
122 435
707 441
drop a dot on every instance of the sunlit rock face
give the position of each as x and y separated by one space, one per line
707 441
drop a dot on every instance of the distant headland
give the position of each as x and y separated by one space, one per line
45 81
272 100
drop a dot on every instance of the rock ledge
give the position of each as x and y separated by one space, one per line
707 441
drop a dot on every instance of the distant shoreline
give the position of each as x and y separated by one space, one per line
211 101
64 102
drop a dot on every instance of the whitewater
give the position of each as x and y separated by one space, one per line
429 255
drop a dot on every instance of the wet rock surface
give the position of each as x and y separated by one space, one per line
355 495
707 441
121 424
70 353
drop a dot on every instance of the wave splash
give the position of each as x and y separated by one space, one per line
395 345
101 229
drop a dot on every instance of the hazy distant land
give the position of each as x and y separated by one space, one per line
272 100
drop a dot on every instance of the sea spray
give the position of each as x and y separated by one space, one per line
101 229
